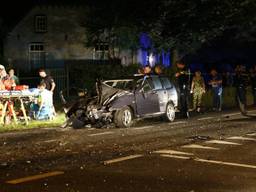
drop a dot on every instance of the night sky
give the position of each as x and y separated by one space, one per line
11 16
12 11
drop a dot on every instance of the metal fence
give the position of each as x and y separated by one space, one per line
74 73
59 75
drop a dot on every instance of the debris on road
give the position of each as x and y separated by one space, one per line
199 137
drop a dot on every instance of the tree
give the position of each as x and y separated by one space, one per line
3 32
181 25
187 25
117 23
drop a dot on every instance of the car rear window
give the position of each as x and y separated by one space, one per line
156 83
166 82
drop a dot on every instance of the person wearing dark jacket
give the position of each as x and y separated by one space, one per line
216 84
182 78
240 83
47 79
253 83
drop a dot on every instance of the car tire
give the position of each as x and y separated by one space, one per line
77 124
170 112
124 117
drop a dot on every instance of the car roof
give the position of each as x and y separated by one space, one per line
135 77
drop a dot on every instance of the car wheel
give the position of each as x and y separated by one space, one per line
77 123
76 119
124 117
170 112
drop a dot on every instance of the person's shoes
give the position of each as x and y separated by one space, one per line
184 115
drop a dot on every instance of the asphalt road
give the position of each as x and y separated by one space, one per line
211 152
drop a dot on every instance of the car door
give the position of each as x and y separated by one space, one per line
146 99
161 92
171 91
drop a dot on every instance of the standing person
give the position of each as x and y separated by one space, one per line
216 83
3 77
229 79
13 77
44 108
240 82
6 82
158 70
49 83
253 83
146 70
183 87
3 74
197 89
47 79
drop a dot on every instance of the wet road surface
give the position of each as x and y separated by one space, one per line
213 152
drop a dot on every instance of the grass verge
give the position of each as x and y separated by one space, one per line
56 122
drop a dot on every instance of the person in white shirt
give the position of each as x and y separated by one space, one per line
44 109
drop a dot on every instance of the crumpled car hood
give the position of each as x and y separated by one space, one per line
92 110
106 93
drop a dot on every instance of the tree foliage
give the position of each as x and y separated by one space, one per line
3 32
187 25
184 25
118 23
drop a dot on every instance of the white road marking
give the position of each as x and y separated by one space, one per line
205 118
222 142
172 152
91 129
242 138
35 177
104 133
177 123
146 127
226 163
121 159
195 146
49 141
211 161
175 156
231 114
251 134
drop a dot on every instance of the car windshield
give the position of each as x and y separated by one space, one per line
126 84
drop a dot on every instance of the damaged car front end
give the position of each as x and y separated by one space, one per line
119 102
86 111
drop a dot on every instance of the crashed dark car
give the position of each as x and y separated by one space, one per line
120 101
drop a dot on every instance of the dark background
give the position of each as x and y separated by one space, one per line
221 53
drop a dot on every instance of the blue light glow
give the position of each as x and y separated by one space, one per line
146 48
145 41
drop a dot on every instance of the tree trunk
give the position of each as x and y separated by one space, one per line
132 55
174 57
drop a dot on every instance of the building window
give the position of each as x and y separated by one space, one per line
40 23
101 51
37 55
